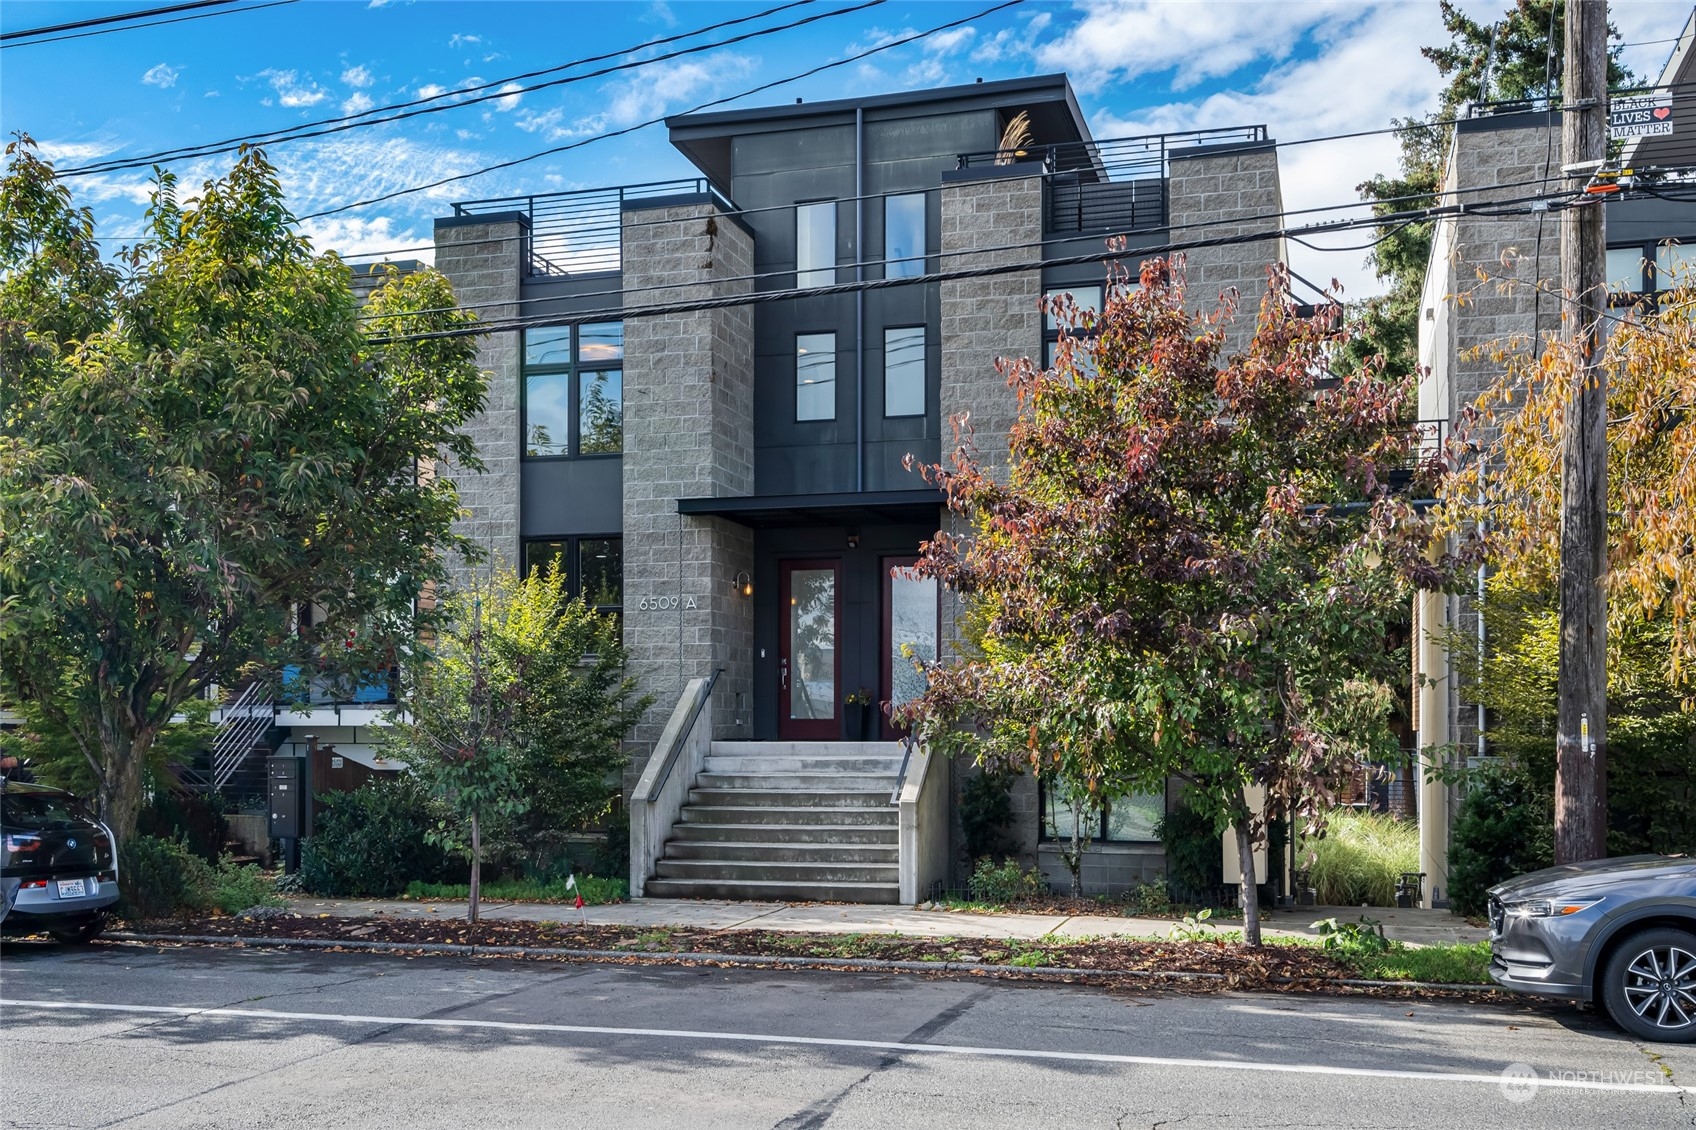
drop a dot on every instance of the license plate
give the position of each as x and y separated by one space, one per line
73 888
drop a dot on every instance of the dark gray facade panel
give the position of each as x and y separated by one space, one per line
1639 221
790 151
560 497
571 294
815 468
934 135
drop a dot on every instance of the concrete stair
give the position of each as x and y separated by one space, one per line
787 821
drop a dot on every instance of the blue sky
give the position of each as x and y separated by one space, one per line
1304 68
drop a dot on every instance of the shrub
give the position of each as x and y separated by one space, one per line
1004 883
1149 898
1505 827
1361 858
371 841
1195 865
194 820
596 891
160 877
986 815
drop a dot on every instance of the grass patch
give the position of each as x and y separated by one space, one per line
1362 857
596 891
1464 963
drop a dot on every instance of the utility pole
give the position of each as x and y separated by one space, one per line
1581 773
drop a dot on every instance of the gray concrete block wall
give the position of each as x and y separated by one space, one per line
1235 192
485 264
1504 274
688 432
985 321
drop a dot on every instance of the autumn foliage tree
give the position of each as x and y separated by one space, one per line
199 435
1188 568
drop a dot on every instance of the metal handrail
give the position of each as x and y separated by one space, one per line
580 231
682 737
907 744
1145 154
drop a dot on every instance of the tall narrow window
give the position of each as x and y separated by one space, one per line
904 235
815 376
904 371
815 244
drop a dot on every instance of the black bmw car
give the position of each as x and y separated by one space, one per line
58 864
1619 932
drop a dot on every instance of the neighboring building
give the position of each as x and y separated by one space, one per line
1495 275
729 480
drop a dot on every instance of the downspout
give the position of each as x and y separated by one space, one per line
859 299
1478 610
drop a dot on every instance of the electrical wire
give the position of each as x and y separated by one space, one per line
154 23
901 42
626 313
455 99
120 18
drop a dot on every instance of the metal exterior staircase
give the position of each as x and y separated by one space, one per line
797 821
243 724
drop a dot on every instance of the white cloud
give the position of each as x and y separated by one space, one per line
75 151
666 87
1130 38
948 42
357 103
1299 100
513 92
431 90
544 122
358 77
659 12
212 94
355 237
291 91
460 40
161 75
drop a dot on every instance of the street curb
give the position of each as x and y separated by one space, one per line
754 961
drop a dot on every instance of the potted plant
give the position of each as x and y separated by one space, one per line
859 705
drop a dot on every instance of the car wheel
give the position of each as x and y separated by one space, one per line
79 933
1649 985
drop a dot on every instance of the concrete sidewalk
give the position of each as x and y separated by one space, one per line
1419 927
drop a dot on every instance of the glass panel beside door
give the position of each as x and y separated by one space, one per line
809 662
910 631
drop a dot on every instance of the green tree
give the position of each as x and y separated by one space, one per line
519 706
198 437
1187 569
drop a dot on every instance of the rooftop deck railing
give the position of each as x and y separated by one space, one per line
1112 185
581 232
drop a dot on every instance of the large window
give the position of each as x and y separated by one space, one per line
815 244
904 235
594 567
1128 819
904 371
815 376
574 390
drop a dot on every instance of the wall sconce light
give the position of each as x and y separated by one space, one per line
853 541
743 584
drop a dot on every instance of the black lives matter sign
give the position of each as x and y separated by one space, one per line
1640 115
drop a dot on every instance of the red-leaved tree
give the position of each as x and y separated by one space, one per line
1190 566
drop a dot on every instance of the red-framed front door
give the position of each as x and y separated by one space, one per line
911 619
809 695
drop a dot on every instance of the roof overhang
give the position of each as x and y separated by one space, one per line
853 508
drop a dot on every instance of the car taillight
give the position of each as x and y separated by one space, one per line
34 884
19 848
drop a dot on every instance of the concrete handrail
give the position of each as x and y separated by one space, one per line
658 799
922 823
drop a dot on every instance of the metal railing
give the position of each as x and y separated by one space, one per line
581 232
1110 185
244 722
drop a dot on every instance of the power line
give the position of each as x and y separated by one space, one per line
915 37
455 99
153 23
757 277
121 18
624 313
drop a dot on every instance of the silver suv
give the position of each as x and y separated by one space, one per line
58 864
1620 932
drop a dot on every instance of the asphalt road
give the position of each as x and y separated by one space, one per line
141 1037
